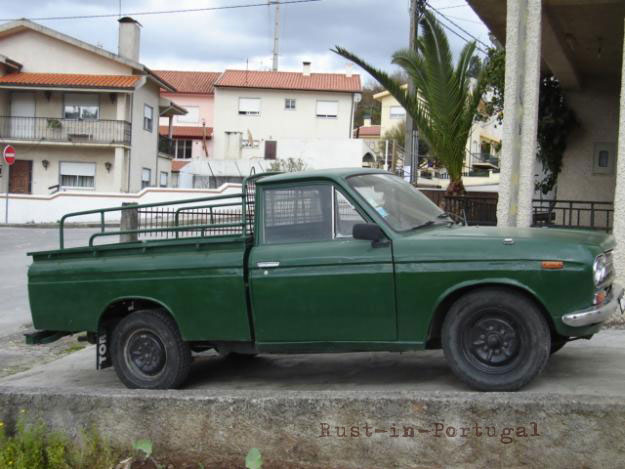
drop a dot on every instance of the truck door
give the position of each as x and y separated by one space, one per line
310 280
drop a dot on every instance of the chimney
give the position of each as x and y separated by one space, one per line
348 70
367 121
306 69
129 38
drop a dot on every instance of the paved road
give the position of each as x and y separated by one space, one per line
14 244
581 368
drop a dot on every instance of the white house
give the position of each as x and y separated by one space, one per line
79 117
262 115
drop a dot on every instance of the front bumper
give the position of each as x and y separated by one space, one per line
598 313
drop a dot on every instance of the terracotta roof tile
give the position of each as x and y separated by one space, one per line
180 131
290 81
177 165
69 80
189 82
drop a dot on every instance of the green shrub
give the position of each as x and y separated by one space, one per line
32 446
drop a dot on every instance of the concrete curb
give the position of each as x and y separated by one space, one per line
300 427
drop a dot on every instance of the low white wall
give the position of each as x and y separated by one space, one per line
50 209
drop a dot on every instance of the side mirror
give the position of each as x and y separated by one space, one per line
370 232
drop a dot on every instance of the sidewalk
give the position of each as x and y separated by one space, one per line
325 409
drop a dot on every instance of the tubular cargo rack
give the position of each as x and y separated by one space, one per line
221 215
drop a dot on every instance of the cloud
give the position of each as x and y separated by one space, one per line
239 38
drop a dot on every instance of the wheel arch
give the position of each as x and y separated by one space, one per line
453 294
121 307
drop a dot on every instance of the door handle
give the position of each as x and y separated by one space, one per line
267 265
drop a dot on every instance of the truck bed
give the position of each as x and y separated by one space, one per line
191 252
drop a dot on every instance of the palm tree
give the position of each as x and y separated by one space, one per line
447 103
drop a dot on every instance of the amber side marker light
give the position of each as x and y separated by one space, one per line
552 265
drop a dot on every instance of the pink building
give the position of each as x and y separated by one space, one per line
192 134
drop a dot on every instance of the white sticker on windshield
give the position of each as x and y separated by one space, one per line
381 211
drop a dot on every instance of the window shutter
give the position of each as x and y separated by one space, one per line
249 105
81 99
78 169
327 108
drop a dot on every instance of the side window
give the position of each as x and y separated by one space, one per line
346 216
298 214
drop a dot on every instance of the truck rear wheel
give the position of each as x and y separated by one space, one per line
496 340
148 351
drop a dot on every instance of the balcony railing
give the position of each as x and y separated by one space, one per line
573 214
53 129
485 158
165 145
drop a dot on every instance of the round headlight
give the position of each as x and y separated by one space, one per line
600 269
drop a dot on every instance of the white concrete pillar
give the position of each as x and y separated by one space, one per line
119 165
619 191
523 39
120 108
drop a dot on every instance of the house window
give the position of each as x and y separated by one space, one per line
146 177
397 112
80 175
249 106
182 149
81 106
164 176
148 117
327 109
191 117
604 158
289 103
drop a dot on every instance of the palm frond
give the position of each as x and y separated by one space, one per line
445 102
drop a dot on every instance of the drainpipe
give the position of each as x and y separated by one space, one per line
351 119
132 130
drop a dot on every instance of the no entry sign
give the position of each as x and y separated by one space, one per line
9 154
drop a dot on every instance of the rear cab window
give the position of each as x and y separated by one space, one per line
307 213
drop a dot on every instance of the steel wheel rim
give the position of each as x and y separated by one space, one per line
145 354
493 341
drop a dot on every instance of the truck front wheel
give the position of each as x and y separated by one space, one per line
496 340
148 351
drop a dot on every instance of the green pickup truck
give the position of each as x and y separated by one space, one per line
321 261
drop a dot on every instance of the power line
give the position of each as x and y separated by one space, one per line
457 18
459 27
159 12
453 6
463 38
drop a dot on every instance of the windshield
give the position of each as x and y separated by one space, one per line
401 205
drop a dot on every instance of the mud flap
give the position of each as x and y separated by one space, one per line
103 355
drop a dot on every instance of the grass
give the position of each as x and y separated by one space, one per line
33 446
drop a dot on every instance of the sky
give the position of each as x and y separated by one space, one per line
240 38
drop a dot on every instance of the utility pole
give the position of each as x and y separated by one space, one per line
411 145
276 35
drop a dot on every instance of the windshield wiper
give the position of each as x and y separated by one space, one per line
453 217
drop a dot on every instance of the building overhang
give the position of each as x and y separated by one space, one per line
168 108
581 39
71 82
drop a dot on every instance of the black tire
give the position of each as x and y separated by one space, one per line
148 351
557 343
495 339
